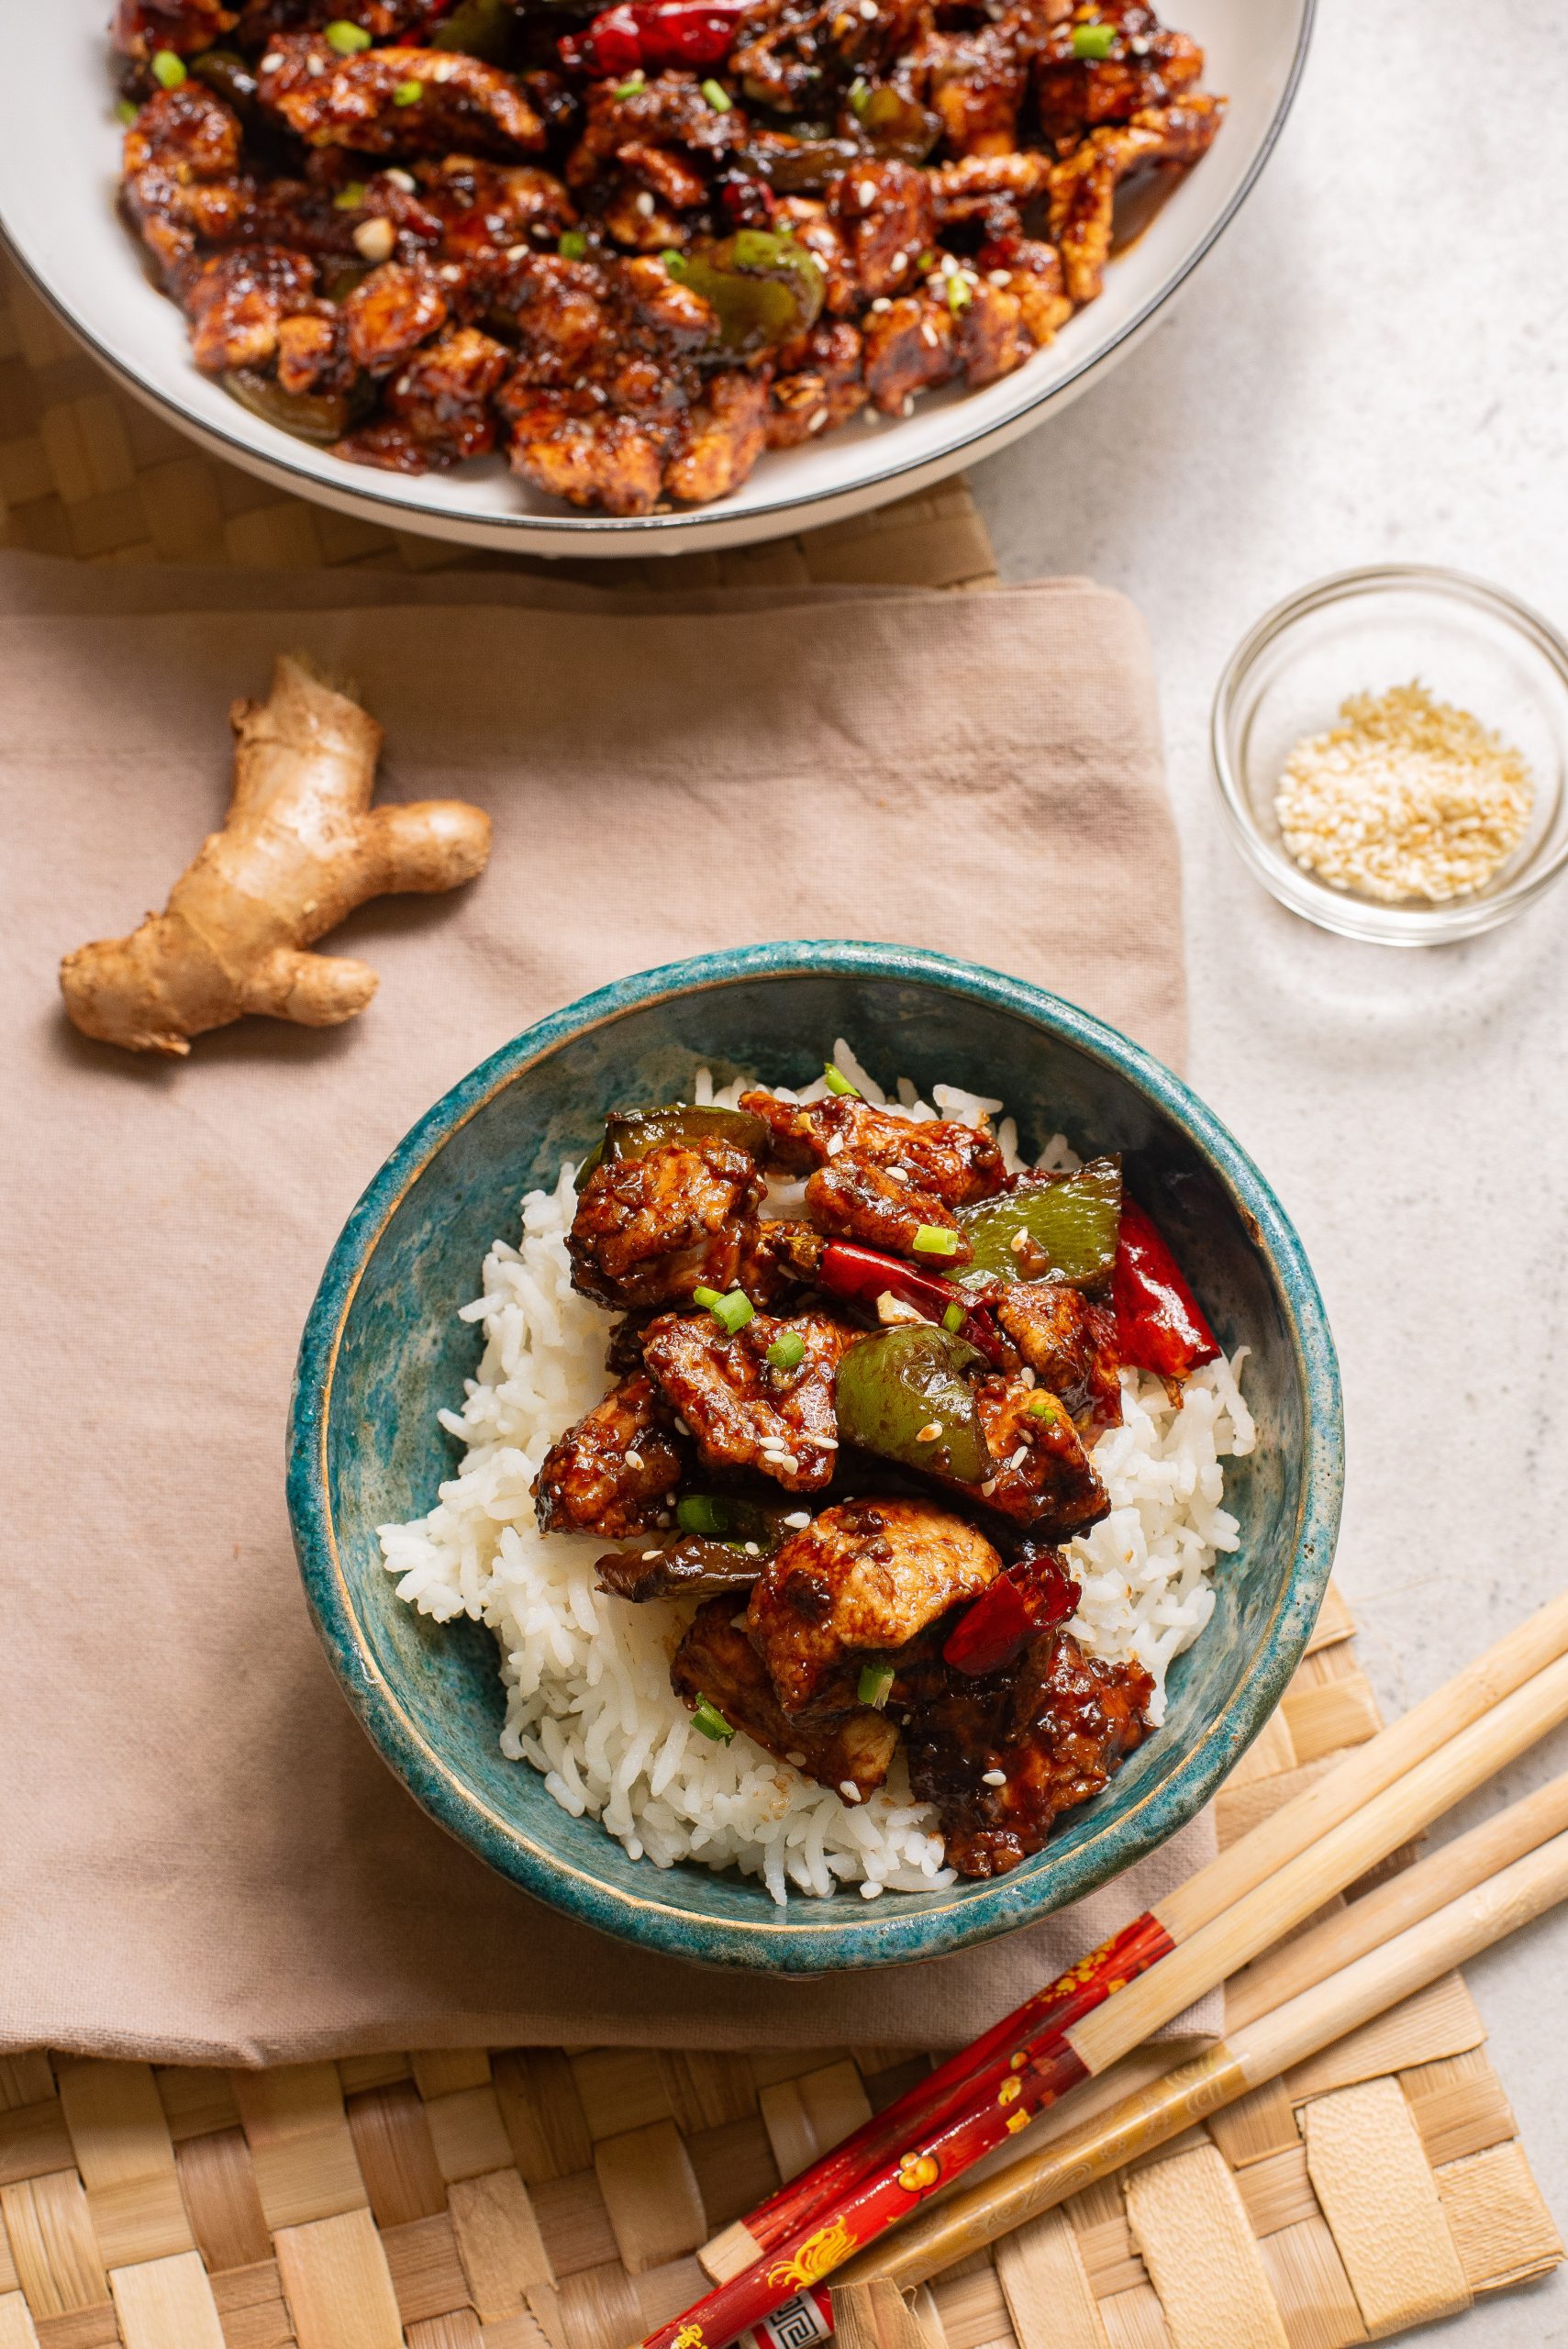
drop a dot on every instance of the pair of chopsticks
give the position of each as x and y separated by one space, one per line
1218 1921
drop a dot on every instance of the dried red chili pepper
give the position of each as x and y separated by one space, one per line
650 34
1034 1593
1160 1325
849 1270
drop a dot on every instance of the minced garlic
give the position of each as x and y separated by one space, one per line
1406 798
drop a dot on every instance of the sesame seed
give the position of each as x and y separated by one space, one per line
651 1554
882 303
634 1459
518 252
799 1518
929 1433
818 421
273 60
1140 44
405 180
681 1427
994 1777
375 240
929 334
1019 1242
908 405
443 69
450 271
644 204
849 1790
316 66
1000 276
751 1549
1027 1375
899 261
1019 1456
867 192
797 1759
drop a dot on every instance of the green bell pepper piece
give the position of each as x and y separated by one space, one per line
766 288
1069 1224
633 1133
894 1386
485 29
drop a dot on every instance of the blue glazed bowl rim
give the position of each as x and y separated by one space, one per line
828 1936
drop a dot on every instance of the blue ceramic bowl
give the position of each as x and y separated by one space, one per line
382 1349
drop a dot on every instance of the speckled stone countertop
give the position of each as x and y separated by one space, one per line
1373 365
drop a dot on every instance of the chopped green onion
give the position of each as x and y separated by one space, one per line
959 293
711 1721
168 69
859 95
925 261
952 1319
1042 1407
573 244
128 111
786 1351
1092 41
349 199
876 1681
631 87
674 262
930 1239
838 1083
734 1310
700 1513
347 39
718 97
407 93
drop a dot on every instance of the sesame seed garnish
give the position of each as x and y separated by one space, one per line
867 192
649 1554
273 60
450 271
927 334
907 408
1000 276
816 423
1019 1456
881 303
929 1433
634 1459
1019 1242
644 204
751 1549
799 1518
399 178
900 262
994 1777
443 69
849 1790
316 66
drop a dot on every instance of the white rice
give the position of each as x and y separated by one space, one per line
588 1696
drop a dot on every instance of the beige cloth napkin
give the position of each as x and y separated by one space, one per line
201 1857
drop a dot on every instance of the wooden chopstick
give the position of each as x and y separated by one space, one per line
1250 2054
1293 1829
1009 2091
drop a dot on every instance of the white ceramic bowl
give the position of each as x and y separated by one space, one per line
58 167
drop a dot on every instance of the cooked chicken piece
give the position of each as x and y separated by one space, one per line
1083 186
613 1472
862 1579
181 179
990 336
391 312
443 394
692 1567
975 79
482 208
725 435
1032 275
389 101
742 1411
238 301
884 213
806 220
559 311
634 218
792 50
1068 1343
669 111
648 1230
966 190
778 1260
1074 95
1042 1477
849 1750
1055 1726
570 447
822 388
678 320
668 174
142 27
878 1179
908 346
313 351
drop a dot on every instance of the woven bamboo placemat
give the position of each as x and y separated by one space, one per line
554 2198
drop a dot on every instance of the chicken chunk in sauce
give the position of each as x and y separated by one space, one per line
850 1749
880 1179
613 1472
648 1230
1069 1342
861 1579
1002 1758
746 1411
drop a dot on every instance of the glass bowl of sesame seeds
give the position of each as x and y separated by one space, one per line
1391 747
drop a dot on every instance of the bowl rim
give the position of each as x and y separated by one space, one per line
681 531
1372 920
816 1940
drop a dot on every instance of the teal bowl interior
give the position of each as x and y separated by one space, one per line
382 1349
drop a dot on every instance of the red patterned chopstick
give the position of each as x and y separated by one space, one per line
931 2103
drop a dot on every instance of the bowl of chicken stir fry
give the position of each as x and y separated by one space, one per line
833 1525
526 273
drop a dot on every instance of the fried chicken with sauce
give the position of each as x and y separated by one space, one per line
848 1748
875 1177
1083 186
361 101
1069 1342
743 1412
861 1579
1054 1728
1042 1476
648 1230
613 1472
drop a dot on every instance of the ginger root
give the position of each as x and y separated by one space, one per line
300 848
